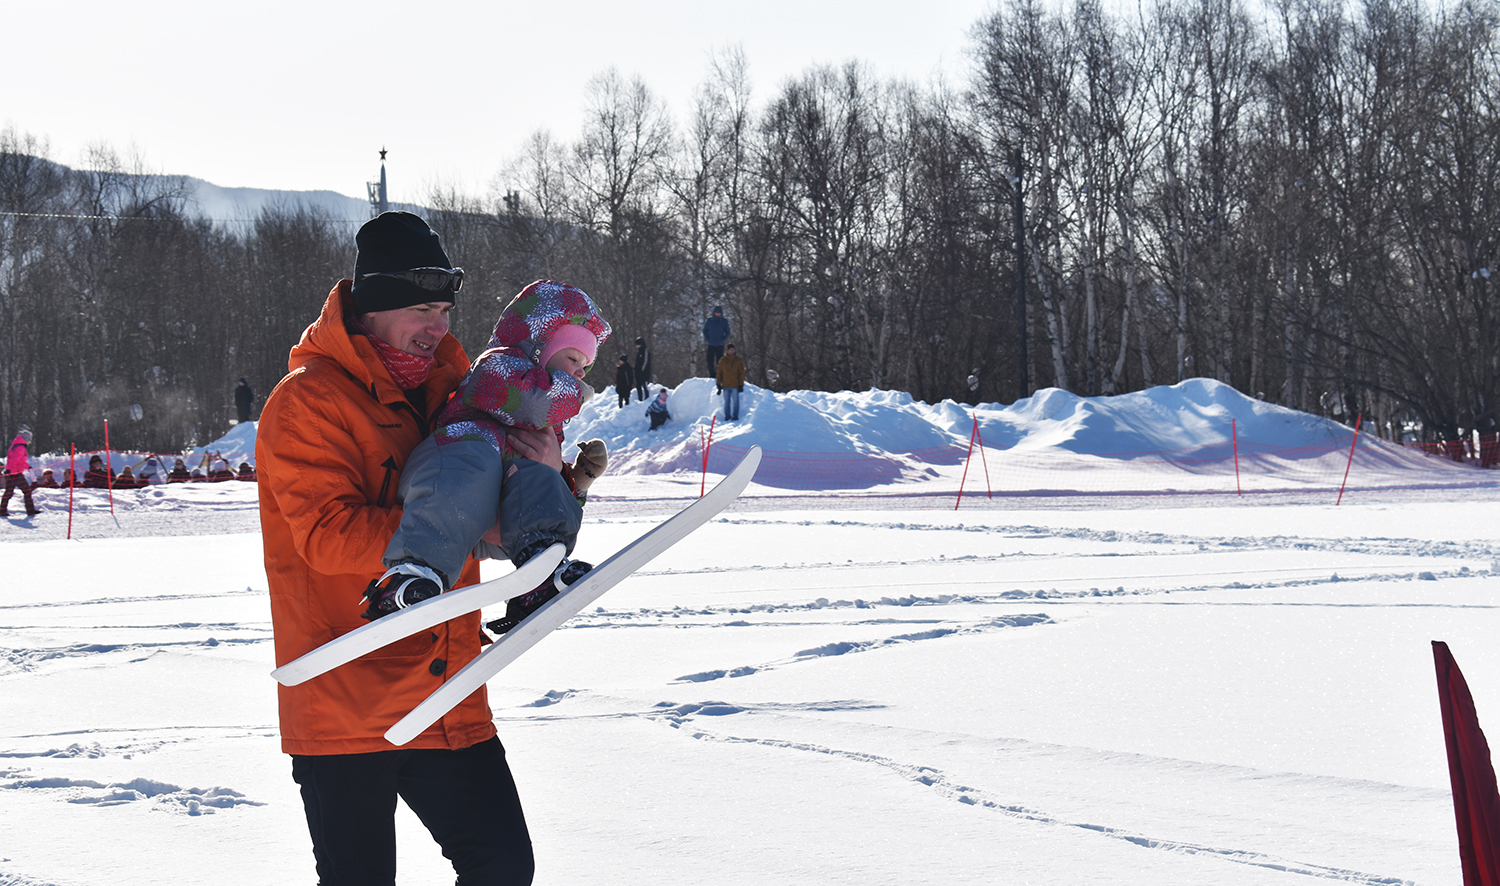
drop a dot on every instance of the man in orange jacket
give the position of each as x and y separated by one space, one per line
366 381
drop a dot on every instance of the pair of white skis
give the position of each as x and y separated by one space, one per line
529 632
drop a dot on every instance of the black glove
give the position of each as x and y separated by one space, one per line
406 584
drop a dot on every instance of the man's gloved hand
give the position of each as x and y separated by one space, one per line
403 585
590 462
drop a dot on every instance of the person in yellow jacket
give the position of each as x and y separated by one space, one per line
731 379
365 383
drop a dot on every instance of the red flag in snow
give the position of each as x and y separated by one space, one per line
1476 802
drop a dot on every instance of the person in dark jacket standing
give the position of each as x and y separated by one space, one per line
715 334
642 369
624 380
244 398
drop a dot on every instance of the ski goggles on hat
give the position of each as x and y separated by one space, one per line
430 279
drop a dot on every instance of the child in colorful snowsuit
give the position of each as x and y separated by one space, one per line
16 466
657 411
531 376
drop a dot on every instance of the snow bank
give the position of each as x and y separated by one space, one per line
862 440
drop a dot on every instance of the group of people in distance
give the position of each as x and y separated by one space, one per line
637 378
720 357
213 469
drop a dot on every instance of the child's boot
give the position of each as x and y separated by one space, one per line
517 608
403 585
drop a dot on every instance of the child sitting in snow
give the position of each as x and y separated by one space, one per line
657 410
530 376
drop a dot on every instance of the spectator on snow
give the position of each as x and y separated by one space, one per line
150 471
247 472
47 481
715 334
127 480
244 398
179 473
624 381
219 471
17 463
204 472
97 476
731 382
368 376
642 371
657 411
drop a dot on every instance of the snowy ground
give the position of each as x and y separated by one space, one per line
836 688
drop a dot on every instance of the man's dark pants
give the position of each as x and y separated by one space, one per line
466 798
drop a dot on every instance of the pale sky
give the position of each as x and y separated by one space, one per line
303 94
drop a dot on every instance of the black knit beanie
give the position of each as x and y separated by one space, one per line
395 241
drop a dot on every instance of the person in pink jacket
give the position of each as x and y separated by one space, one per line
16 465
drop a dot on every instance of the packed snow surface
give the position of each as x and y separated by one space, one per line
855 684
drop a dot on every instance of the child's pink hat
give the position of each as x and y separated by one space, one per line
571 336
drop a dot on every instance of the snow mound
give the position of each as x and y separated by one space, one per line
1198 414
1193 415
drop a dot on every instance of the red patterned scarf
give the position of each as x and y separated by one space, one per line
407 370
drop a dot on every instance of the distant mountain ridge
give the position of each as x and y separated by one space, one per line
243 205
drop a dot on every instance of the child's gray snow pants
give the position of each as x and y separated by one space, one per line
451 494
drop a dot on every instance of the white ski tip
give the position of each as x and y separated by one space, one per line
398 736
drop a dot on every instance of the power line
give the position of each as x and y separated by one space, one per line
351 221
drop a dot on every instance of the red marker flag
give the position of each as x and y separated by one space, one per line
1476 802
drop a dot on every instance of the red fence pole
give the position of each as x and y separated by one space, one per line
1352 444
1476 801
703 481
72 481
967 458
109 474
988 490
1234 436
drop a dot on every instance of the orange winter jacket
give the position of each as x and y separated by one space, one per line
332 440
